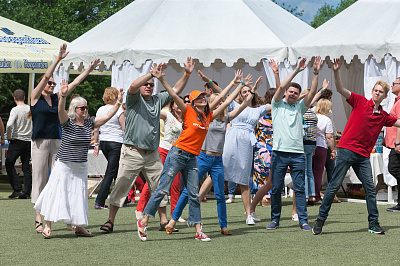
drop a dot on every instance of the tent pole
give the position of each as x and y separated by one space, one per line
31 86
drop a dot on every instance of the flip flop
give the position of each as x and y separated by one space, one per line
46 235
85 234
38 224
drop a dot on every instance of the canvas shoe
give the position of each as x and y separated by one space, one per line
394 209
99 206
142 230
317 229
305 227
375 228
229 200
250 220
295 217
202 237
273 225
255 217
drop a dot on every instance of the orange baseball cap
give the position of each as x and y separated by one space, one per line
194 94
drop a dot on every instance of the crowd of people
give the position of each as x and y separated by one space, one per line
221 135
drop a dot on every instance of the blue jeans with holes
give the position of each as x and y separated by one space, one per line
213 165
362 167
185 162
309 180
279 164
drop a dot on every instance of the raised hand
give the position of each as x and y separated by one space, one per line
63 51
274 66
238 76
95 63
120 95
335 64
302 64
317 63
189 66
64 88
157 70
325 84
248 79
258 83
203 77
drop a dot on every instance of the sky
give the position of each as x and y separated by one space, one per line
310 7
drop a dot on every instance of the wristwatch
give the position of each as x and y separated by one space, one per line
396 144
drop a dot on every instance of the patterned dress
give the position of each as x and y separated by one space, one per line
262 151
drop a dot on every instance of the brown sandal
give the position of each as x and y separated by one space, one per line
108 227
225 232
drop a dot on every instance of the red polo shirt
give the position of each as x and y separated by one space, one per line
391 132
364 125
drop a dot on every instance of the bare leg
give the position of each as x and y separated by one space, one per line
198 228
205 188
294 211
162 212
113 212
261 193
245 191
39 229
47 230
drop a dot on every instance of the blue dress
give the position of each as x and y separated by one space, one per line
239 142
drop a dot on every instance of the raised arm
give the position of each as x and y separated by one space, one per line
238 77
325 85
338 83
314 84
275 67
285 83
181 84
37 91
62 114
209 82
232 96
135 86
82 76
101 120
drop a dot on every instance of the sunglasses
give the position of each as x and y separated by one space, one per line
83 108
186 101
394 83
148 84
51 83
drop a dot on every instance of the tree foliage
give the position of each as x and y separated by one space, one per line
63 19
289 8
326 12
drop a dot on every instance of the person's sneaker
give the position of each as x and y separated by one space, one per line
305 227
142 230
394 209
295 217
255 217
16 194
99 206
376 229
202 237
24 196
273 225
317 229
229 200
250 220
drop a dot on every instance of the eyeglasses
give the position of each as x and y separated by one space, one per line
83 108
186 101
148 84
51 83
394 83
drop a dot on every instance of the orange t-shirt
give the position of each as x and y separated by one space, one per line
194 132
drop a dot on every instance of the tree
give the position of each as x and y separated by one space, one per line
326 12
289 8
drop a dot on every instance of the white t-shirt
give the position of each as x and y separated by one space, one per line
324 126
172 131
18 125
112 130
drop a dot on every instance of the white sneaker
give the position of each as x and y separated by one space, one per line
250 220
255 217
202 237
295 217
230 200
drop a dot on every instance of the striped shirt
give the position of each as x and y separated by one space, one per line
311 120
75 141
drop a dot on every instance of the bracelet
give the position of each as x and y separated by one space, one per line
252 92
187 74
396 144
96 144
152 74
321 91
58 58
209 82
64 96
243 83
233 83
118 104
276 72
332 151
298 71
316 73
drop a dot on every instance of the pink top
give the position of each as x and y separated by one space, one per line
392 131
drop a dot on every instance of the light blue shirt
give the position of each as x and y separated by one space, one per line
287 122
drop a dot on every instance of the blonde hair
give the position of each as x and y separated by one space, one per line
384 85
223 114
110 95
78 100
323 107
303 94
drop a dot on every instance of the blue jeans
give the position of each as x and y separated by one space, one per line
279 164
213 165
111 151
362 167
231 189
185 162
309 181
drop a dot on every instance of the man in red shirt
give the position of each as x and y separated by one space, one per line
359 136
393 142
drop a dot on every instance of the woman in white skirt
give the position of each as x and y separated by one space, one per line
65 195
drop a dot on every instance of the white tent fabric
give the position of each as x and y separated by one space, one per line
161 30
368 27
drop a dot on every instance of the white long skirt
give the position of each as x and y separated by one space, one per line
65 195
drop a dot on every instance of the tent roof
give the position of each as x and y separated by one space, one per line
368 27
206 30
24 49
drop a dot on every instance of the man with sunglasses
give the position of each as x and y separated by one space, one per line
139 152
392 140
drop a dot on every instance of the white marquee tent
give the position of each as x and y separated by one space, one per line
217 33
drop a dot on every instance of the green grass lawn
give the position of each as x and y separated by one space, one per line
345 239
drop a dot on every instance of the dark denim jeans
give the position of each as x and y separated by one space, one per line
185 162
19 148
362 167
111 151
279 164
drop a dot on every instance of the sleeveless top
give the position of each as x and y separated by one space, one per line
45 119
172 131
